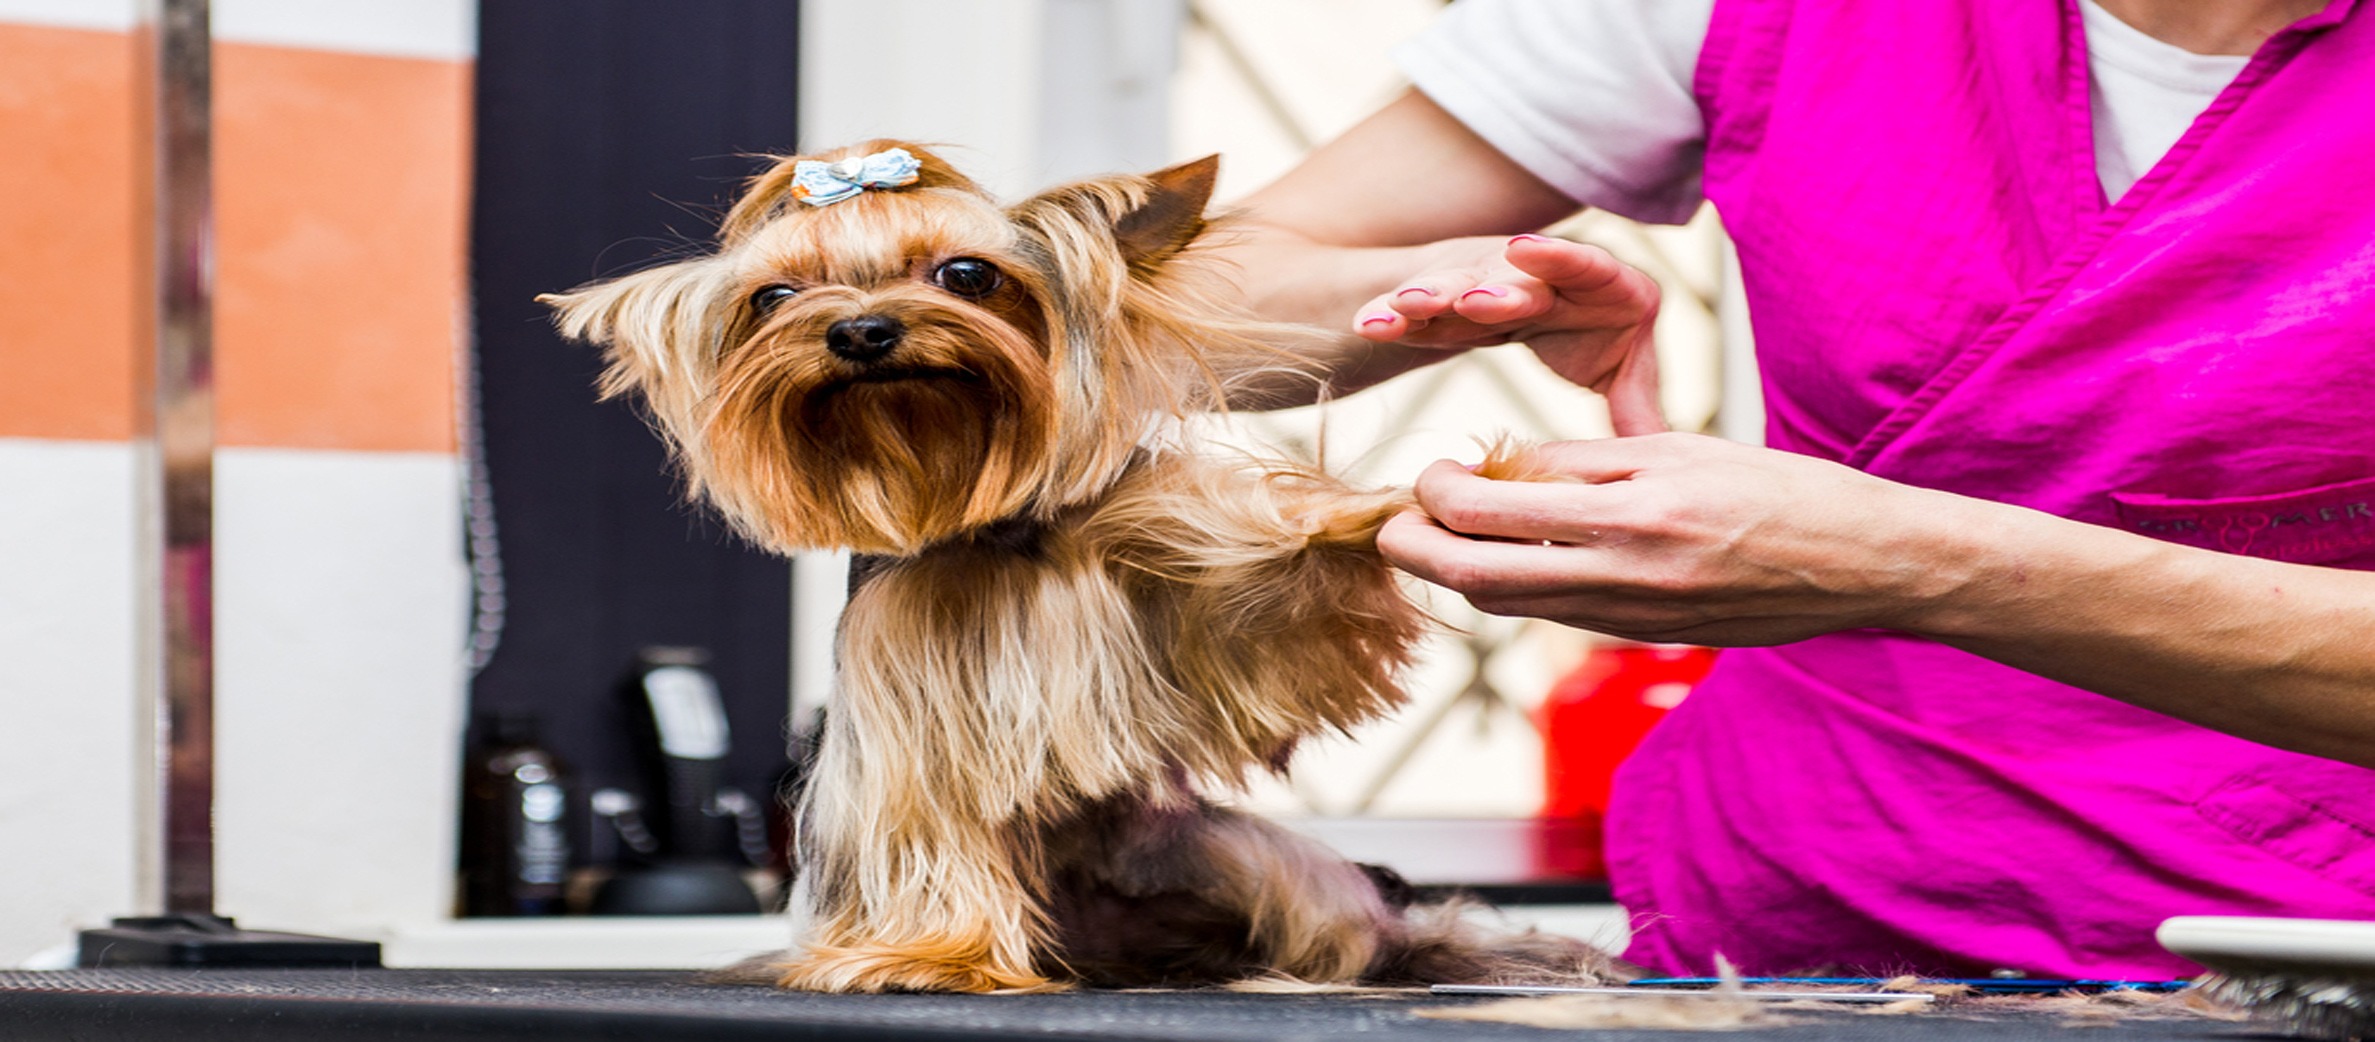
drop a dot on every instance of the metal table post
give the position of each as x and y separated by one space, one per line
174 397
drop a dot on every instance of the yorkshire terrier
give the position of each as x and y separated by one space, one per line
1074 626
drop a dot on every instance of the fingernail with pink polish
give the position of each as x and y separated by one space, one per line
1529 237
1489 291
1420 290
1376 320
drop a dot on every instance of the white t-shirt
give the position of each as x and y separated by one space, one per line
1594 96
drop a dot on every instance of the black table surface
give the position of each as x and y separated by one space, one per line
659 1006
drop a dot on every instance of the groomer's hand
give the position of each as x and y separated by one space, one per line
1681 537
1585 313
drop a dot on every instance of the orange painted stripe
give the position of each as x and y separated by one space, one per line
66 238
341 188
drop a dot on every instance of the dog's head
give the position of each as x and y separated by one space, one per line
906 361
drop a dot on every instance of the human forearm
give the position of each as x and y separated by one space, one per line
1691 539
1287 277
2282 654
1584 313
1343 244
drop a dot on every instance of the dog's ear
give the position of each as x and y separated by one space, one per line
1149 218
1172 214
650 323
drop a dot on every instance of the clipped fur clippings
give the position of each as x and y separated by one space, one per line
1610 1012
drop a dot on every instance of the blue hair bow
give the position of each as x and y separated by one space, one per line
819 183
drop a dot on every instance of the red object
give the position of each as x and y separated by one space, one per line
1592 719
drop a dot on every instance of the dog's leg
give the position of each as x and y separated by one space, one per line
1195 894
900 899
982 693
1164 889
1321 919
846 945
1312 915
916 857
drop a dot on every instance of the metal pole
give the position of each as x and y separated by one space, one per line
175 404
178 421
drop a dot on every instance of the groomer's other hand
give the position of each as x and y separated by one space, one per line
1586 314
1681 537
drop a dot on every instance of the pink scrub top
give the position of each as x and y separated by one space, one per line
1942 297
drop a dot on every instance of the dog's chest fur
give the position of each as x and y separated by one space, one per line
1169 625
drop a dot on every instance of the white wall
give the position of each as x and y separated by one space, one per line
940 73
339 613
338 727
1027 91
67 711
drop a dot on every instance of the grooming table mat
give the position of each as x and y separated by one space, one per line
655 1006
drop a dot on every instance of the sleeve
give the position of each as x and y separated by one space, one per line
1592 96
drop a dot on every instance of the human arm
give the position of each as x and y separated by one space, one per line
1686 538
1399 234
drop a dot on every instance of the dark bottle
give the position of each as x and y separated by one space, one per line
515 822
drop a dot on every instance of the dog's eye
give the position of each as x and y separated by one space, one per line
969 277
772 297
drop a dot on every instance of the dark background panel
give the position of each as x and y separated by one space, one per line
611 134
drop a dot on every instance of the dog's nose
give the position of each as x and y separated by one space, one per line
864 338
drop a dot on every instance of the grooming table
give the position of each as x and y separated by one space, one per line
657 1006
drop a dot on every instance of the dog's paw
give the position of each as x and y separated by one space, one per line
871 970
